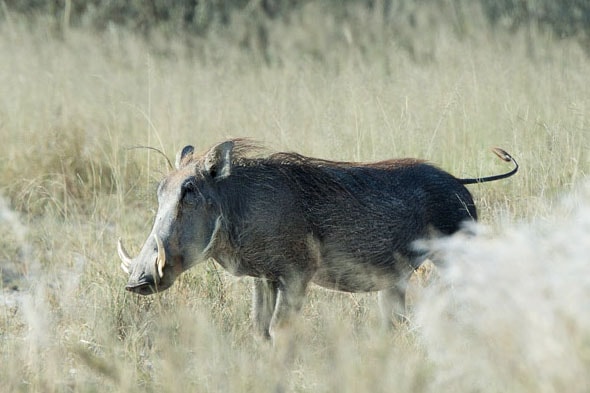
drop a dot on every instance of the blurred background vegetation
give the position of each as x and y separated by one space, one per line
249 22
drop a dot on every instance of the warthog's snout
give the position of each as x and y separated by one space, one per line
147 271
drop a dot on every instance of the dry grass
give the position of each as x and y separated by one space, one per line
511 314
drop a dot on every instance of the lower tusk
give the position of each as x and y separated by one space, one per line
161 259
125 258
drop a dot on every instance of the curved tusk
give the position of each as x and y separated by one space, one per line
161 259
125 258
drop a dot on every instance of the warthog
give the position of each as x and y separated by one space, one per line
289 220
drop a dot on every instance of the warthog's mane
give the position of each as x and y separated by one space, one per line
289 158
250 153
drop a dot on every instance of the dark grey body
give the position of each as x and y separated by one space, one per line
336 221
289 220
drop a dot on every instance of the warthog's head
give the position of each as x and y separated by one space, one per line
186 224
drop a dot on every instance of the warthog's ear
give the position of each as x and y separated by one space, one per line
182 154
218 160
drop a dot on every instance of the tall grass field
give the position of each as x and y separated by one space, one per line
509 311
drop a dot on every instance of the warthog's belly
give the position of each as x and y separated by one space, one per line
351 275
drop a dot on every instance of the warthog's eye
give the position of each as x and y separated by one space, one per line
187 190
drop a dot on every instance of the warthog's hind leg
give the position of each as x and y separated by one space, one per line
264 299
392 304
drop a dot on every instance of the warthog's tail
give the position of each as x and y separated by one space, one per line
503 154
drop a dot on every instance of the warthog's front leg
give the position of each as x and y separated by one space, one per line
290 297
264 299
283 329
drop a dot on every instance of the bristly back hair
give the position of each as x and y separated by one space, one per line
249 152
